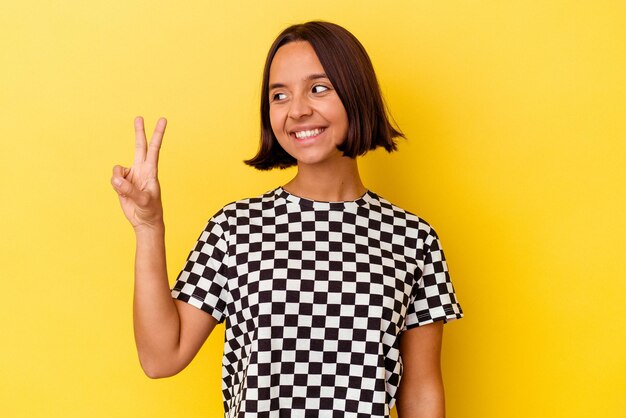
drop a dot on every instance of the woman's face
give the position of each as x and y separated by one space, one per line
306 113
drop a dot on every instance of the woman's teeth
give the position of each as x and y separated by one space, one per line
308 134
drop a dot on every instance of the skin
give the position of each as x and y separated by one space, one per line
421 392
301 98
169 333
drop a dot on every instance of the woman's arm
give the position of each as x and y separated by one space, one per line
421 392
168 334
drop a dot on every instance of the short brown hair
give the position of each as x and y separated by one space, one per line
349 69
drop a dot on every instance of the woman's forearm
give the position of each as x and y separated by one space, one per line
155 317
426 402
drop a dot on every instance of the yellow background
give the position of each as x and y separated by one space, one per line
515 116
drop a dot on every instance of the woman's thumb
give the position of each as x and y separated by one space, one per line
122 186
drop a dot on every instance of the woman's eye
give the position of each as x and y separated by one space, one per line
279 96
319 88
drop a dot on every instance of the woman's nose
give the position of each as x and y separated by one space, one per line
300 107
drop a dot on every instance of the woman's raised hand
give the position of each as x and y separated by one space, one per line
138 186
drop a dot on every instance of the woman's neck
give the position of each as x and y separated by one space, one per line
341 182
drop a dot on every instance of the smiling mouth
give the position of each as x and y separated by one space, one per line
309 134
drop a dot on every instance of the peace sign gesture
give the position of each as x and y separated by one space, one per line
138 186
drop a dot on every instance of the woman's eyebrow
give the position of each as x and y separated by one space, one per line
316 76
307 78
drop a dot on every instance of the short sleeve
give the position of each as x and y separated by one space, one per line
203 282
433 297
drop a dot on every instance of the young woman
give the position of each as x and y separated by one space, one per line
334 298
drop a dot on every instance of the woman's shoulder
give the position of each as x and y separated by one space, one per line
401 217
253 202
248 205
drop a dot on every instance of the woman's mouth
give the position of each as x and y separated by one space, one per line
308 133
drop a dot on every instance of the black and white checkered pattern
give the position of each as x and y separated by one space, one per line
315 295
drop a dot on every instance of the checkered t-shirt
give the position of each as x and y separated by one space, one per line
315 296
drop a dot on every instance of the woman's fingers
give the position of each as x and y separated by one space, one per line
140 141
148 153
122 186
155 142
